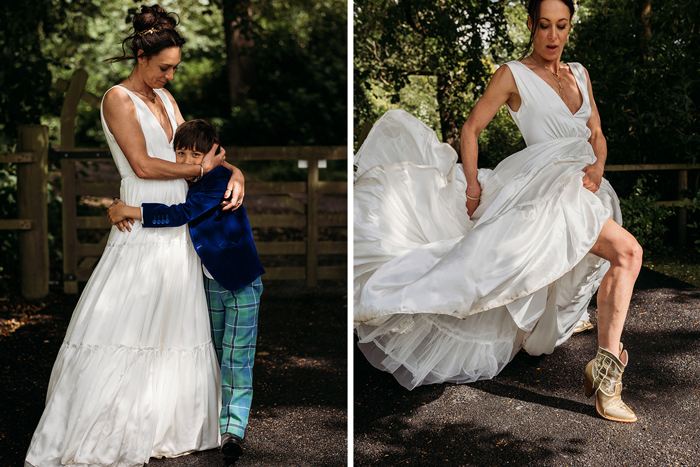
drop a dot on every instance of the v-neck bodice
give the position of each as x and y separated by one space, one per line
543 115
138 102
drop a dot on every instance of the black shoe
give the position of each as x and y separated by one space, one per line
231 446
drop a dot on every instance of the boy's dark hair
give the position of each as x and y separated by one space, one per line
197 135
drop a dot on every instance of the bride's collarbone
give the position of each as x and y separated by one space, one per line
571 94
158 110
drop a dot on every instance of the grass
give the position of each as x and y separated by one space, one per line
683 264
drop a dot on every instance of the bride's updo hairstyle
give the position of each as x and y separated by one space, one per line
533 11
154 30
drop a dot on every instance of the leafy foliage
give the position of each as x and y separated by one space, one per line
644 72
9 239
298 96
299 91
643 68
454 41
24 64
644 219
693 207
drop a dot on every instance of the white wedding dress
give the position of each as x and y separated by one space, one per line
442 297
137 374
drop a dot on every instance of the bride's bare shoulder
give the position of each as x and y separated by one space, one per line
115 97
503 82
117 101
503 76
118 109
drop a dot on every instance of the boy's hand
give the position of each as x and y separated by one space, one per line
117 215
211 160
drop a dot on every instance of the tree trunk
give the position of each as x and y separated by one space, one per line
646 28
448 125
239 42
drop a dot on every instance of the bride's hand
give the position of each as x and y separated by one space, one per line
473 192
235 191
592 178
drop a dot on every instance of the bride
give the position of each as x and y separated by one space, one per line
448 294
137 374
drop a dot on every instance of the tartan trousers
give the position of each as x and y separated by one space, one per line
234 329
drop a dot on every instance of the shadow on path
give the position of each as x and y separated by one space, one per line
534 412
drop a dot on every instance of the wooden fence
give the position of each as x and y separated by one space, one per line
681 190
79 259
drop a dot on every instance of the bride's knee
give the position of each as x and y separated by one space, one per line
629 255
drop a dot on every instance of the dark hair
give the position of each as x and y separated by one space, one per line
533 11
196 135
154 30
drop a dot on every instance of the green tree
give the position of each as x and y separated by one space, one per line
295 94
238 23
454 41
643 58
25 65
297 89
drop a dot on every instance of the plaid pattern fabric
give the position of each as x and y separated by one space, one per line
234 328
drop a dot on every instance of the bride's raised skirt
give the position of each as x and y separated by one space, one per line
439 296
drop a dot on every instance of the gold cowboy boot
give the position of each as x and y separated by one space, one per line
603 376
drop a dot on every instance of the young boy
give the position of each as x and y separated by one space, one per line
224 242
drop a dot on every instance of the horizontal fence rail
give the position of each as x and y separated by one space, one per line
682 188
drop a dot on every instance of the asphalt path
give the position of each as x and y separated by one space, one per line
299 412
535 414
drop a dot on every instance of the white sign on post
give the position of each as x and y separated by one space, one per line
304 164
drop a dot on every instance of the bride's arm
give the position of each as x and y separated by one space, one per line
120 115
236 185
500 90
594 172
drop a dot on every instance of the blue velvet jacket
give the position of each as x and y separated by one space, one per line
222 239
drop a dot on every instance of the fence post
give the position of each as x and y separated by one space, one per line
682 212
70 233
32 204
312 224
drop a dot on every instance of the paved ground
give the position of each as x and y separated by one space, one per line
299 408
534 412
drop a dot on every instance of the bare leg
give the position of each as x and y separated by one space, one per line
623 252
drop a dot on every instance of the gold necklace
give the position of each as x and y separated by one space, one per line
143 94
160 114
556 75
